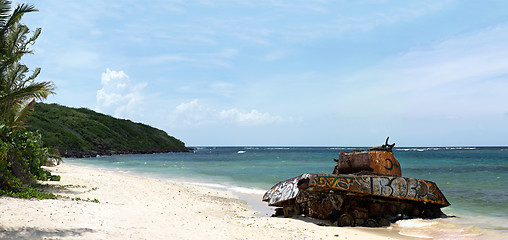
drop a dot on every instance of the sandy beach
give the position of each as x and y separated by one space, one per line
133 207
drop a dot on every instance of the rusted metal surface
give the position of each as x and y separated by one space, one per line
381 162
380 186
365 189
400 188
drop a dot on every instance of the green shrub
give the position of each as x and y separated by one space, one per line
22 156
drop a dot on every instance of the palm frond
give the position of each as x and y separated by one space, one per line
5 8
16 15
23 112
34 74
39 91
35 36
18 89
4 65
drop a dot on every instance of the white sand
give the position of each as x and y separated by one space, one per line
140 208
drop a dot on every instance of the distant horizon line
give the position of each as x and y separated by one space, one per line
302 146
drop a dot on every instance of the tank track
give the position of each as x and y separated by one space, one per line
343 209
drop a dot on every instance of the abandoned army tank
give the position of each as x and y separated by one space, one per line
365 189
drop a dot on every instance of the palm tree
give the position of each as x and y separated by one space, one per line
18 89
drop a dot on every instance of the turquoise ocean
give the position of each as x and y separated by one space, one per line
473 179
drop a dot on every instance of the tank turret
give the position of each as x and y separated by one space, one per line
376 160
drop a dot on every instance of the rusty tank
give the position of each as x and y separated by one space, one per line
366 188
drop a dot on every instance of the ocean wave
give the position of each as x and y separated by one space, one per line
237 189
209 185
247 190
416 223
446 228
420 228
460 148
434 149
201 148
418 149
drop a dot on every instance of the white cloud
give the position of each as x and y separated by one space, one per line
392 14
462 76
193 113
248 118
362 17
118 96
221 58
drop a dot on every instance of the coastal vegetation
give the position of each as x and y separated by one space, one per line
32 133
81 132
22 153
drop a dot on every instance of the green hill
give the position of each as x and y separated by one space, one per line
81 132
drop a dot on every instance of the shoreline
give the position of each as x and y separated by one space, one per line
143 208
111 152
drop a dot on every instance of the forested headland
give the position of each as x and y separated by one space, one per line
81 132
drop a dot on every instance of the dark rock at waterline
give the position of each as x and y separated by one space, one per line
93 153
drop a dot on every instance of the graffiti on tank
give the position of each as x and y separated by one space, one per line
391 187
390 164
354 184
284 190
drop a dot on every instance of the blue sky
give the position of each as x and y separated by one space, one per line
285 73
